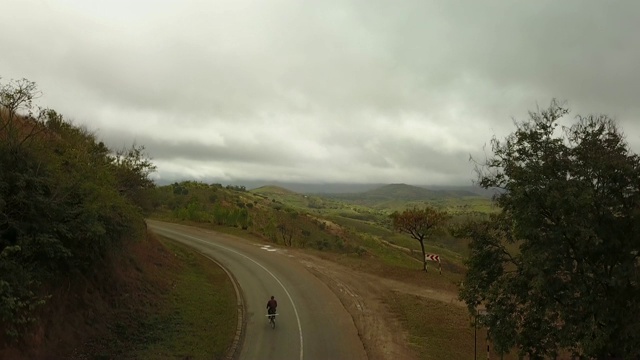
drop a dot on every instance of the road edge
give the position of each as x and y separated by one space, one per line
234 350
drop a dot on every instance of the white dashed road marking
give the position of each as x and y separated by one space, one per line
268 248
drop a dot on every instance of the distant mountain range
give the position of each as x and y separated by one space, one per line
406 192
397 191
334 188
382 192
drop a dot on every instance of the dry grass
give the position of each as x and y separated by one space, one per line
438 330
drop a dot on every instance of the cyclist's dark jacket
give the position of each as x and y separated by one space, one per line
272 304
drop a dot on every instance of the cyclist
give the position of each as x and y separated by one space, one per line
272 304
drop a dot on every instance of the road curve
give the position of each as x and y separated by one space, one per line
312 323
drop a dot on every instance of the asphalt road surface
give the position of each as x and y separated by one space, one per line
312 323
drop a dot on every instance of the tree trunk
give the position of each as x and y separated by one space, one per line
424 258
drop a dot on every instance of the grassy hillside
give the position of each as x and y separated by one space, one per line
397 197
328 224
78 274
152 301
68 206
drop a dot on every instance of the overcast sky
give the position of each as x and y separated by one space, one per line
366 91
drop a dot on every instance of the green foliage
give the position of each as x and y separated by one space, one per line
287 225
132 169
236 188
65 201
419 224
17 303
181 190
205 204
558 269
399 197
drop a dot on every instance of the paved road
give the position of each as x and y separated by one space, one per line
312 323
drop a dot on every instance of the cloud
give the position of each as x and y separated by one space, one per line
348 91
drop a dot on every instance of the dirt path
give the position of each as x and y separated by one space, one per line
361 294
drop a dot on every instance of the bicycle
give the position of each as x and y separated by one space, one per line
272 320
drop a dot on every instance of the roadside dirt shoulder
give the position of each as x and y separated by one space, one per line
361 294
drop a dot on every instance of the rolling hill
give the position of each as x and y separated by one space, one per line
403 192
272 190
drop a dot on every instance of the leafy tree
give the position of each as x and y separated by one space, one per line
244 220
558 269
17 96
179 189
287 225
419 224
132 168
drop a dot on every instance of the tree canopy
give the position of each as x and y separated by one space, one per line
557 270
419 224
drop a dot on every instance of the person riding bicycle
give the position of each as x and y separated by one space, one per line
272 304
